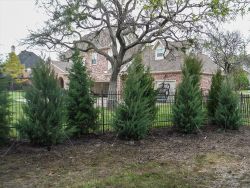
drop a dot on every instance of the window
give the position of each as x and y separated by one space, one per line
84 61
94 58
159 53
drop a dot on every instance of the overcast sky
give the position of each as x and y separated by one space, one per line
19 16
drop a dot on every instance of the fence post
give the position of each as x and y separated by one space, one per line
241 102
102 113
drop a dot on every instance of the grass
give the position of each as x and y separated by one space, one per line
245 92
163 117
17 101
151 175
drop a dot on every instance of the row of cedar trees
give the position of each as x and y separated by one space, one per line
48 107
222 105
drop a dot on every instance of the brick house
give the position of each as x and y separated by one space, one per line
165 66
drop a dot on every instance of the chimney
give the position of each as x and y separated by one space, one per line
13 49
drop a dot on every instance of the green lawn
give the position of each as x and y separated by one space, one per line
149 174
16 102
163 117
245 92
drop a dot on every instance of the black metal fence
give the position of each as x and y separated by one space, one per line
163 117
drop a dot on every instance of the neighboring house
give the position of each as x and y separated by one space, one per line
61 70
29 60
165 67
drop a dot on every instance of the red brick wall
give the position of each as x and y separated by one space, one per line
206 80
168 76
98 71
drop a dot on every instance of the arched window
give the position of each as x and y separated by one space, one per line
61 82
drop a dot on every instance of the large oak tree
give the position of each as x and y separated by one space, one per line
130 24
227 49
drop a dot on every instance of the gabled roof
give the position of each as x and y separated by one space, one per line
169 44
102 40
29 59
62 66
172 63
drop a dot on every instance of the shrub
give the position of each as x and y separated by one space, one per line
227 114
188 114
134 117
81 113
4 111
43 122
213 95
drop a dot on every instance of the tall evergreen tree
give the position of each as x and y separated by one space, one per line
13 67
81 112
192 66
4 110
213 95
43 120
188 114
136 114
227 114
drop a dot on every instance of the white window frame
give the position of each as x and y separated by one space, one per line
157 53
94 58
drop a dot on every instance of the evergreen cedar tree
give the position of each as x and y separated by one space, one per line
188 114
227 114
4 111
81 113
135 116
213 95
43 120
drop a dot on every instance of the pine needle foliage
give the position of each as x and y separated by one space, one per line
227 114
135 116
193 67
43 122
81 112
188 114
4 111
213 95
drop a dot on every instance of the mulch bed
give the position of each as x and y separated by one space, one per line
21 165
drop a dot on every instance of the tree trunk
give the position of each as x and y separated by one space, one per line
112 93
227 67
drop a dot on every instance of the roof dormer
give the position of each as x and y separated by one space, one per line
160 50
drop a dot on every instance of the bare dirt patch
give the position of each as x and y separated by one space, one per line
165 159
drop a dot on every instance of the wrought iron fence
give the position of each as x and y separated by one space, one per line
163 117
15 91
